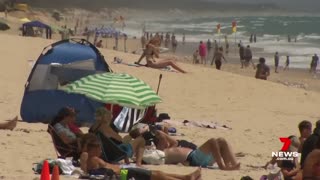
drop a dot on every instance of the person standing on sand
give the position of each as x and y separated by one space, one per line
174 45
248 57
254 38
116 39
314 63
209 47
183 38
287 63
241 54
195 57
143 41
276 62
217 58
263 71
202 53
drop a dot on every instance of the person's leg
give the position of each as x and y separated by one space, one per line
212 147
140 59
165 63
9 125
159 175
138 146
226 152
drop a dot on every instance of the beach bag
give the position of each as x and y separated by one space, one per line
38 166
153 157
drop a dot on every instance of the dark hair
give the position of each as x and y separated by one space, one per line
317 146
304 125
248 46
93 144
63 112
200 41
262 60
134 133
318 124
87 138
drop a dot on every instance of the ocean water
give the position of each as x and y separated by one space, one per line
272 33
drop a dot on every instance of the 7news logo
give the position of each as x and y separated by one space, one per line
285 153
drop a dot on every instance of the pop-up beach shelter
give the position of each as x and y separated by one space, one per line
61 63
37 24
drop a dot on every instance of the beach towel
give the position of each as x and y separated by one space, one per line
142 65
210 125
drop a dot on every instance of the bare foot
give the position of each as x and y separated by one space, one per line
236 167
195 175
12 123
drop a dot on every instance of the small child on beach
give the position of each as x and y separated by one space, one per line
195 57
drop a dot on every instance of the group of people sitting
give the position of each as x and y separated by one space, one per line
308 144
90 151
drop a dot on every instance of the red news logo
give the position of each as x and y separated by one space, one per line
286 143
284 154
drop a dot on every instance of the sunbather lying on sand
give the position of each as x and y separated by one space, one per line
214 150
102 125
10 125
93 165
153 50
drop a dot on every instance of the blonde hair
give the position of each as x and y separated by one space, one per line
102 111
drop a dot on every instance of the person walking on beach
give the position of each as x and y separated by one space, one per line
287 63
143 41
183 38
174 45
209 47
255 38
276 62
195 57
241 54
217 58
314 63
263 71
202 53
116 38
248 57
251 38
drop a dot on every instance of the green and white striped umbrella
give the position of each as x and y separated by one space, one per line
112 88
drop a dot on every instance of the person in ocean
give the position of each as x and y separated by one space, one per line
276 62
286 66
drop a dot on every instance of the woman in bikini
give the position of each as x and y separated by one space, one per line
153 50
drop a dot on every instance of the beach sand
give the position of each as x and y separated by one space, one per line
259 112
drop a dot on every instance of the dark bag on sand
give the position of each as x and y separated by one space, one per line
163 116
246 178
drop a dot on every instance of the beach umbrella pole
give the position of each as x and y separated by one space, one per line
160 77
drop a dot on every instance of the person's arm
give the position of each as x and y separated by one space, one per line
273 161
171 142
109 132
287 173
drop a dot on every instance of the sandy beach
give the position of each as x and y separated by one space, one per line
259 112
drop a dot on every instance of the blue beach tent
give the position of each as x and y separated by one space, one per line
60 63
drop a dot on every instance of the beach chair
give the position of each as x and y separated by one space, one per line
63 150
110 151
